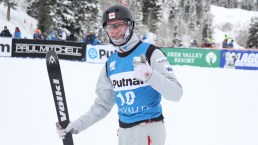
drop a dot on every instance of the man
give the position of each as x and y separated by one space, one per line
231 44
91 38
37 35
61 34
6 32
225 43
131 82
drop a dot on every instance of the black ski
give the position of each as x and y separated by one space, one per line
55 77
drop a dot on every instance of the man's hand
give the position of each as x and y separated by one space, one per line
62 132
142 69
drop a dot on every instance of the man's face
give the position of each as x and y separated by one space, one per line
116 28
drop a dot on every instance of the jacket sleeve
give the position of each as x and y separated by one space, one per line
102 106
163 78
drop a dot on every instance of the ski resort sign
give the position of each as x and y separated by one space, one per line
193 57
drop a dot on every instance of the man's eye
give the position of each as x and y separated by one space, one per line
118 25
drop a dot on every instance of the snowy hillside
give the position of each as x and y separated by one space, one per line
20 19
231 22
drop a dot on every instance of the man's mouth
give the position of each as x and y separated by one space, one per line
117 37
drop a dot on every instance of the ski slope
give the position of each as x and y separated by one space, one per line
219 106
20 19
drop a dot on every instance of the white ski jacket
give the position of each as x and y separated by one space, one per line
162 79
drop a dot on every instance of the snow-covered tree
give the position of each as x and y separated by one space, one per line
253 32
247 4
32 8
152 13
226 3
243 4
10 4
167 30
189 20
206 20
41 10
89 16
77 16
45 22
136 8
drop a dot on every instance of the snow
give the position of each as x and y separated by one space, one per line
230 22
20 19
219 106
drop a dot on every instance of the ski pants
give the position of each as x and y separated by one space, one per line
153 133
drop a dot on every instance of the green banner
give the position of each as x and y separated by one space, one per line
193 57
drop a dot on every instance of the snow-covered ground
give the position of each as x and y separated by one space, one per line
219 106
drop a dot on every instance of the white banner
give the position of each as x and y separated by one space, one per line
5 46
99 53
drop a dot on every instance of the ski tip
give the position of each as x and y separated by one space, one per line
51 58
50 52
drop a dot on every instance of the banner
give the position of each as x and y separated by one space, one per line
99 53
5 46
239 59
38 48
193 57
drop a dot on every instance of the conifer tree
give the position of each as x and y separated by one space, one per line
78 16
151 13
253 32
11 4
41 10
136 8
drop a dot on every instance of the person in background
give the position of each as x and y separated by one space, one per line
226 36
135 78
207 43
231 44
5 32
62 35
144 37
37 35
193 43
225 43
72 37
252 45
91 38
52 36
17 33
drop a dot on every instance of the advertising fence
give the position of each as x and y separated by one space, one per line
99 53
239 59
233 59
38 49
5 46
